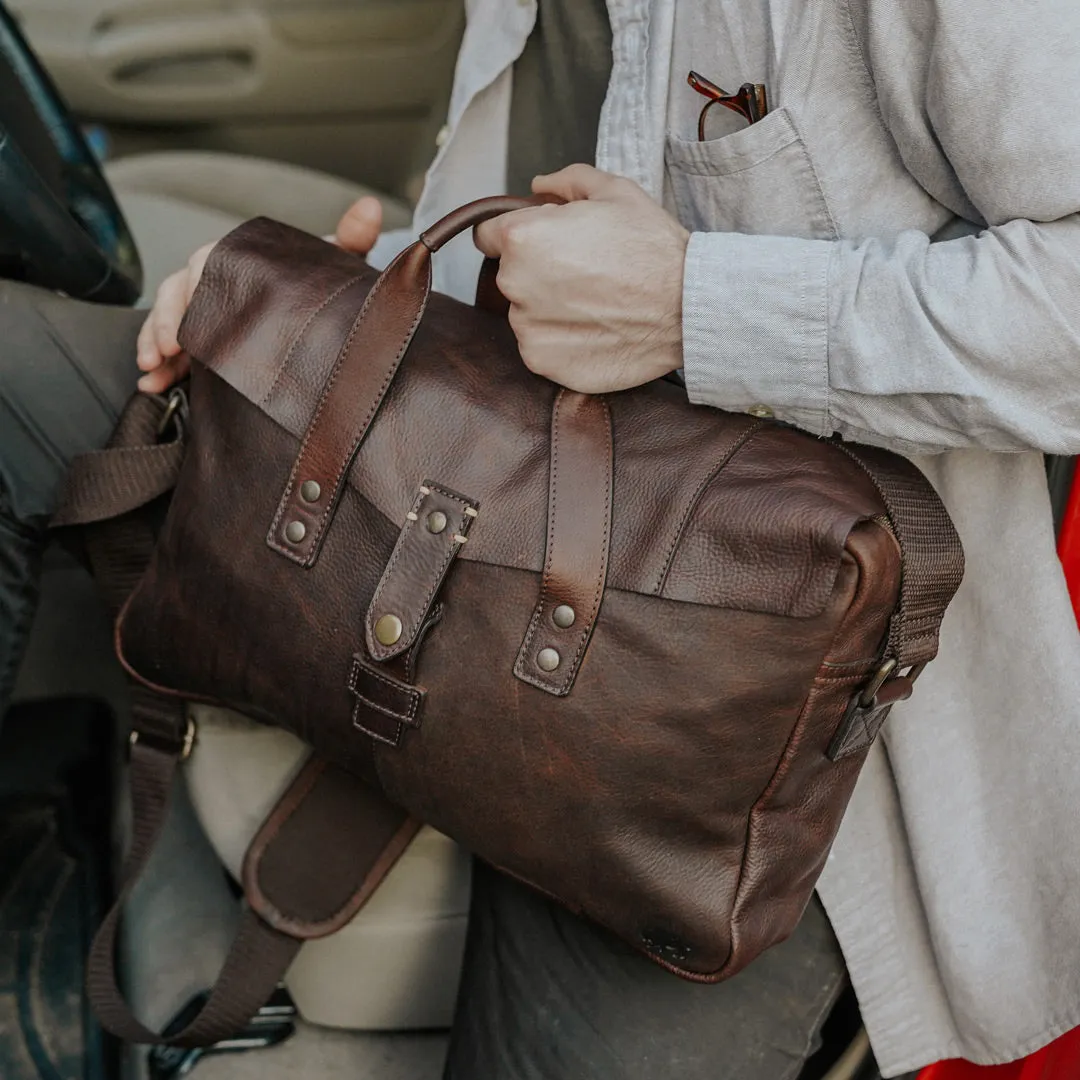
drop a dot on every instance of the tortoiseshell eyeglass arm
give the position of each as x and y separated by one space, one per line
751 102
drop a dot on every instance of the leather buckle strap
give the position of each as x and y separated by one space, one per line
436 529
869 708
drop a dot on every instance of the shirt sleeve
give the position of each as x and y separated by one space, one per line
909 344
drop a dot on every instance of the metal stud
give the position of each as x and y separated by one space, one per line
548 659
310 491
388 630
563 616
436 521
295 532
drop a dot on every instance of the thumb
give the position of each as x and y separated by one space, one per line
360 225
574 183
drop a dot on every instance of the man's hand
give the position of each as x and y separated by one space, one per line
159 353
595 285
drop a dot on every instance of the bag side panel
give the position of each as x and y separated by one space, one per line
793 824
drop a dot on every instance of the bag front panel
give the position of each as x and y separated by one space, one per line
628 799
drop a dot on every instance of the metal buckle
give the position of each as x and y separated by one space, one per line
883 674
176 408
186 747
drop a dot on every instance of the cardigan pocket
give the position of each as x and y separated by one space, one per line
758 180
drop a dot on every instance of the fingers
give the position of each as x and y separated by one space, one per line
360 225
158 351
498 235
575 182
170 371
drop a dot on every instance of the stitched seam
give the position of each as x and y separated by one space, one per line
590 623
387 740
324 518
410 692
546 578
265 400
704 169
692 504
853 679
408 717
298 797
817 179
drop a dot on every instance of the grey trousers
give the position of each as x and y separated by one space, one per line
66 369
544 995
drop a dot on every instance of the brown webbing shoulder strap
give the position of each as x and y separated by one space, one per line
933 557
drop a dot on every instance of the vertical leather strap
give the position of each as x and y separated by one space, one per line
362 375
578 543
351 397
932 555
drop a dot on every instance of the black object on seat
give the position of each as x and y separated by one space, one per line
54 830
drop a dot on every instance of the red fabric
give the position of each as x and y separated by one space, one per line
1069 546
1058 1061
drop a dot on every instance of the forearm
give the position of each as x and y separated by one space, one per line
917 346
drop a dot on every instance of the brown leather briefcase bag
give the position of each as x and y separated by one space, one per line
630 651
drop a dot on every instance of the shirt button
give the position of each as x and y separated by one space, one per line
444 136
762 412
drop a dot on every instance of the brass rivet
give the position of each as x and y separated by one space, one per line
310 491
762 412
295 532
436 521
563 616
388 630
548 660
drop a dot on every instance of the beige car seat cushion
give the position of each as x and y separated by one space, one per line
177 201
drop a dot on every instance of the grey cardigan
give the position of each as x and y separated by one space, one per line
892 254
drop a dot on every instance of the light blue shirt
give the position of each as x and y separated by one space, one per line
893 254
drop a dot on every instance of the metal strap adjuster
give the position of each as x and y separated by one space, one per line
869 707
176 410
185 747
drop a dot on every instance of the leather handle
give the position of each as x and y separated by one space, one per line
488 296
361 377
475 213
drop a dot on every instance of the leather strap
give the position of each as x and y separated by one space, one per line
384 705
322 852
360 378
436 528
932 555
350 398
578 542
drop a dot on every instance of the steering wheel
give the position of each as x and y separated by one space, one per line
60 226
